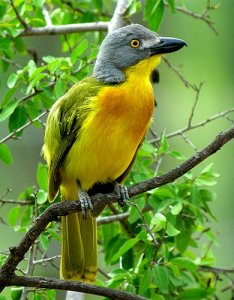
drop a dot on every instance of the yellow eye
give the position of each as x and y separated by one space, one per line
135 43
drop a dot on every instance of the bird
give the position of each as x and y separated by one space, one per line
93 133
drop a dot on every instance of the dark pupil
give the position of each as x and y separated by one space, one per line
135 43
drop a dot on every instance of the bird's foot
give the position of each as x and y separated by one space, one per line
122 192
85 203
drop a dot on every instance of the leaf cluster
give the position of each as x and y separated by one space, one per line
157 256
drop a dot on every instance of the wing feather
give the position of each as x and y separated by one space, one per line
63 125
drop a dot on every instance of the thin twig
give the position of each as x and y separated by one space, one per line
12 62
200 124
111 219
19 17
215 269
184 137
194 105
17 202
185 81
145 225
44 260
203 16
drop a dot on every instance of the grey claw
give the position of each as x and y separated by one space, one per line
85 203
122 192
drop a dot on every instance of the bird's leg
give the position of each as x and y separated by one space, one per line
85 201
122 192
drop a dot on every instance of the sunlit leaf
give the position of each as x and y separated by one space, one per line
184 263
5 154
7 110
125 247
16 293
171 230
12 80
42 197
13 215
42 177
44 241
79 50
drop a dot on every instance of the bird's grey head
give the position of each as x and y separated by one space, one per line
127 46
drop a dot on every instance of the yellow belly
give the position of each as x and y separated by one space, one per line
108 140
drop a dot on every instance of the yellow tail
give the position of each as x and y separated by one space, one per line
79 243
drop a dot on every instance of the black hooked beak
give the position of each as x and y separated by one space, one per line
167 45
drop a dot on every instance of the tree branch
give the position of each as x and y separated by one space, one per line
12 134
64 29
67 207
118 20
22 21
50 283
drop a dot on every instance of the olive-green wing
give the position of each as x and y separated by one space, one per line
63 124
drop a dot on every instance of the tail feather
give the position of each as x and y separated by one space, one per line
79 246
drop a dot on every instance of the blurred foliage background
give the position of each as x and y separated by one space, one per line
208 59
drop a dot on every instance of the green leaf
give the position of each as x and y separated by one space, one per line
126 246
12 79
7 110
31 67
17 119
176 209
156 297
171 230
5 154
177 155
59 88
16 293
79 50
54 234
50 294
158 222
145 282
150 8
172 5
207 179
42 177
44 241
2 297
38 3
196 293
184 263
13 215
155 20
161 278
182 240
42 197
27 215
164 145
119 275
8 96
